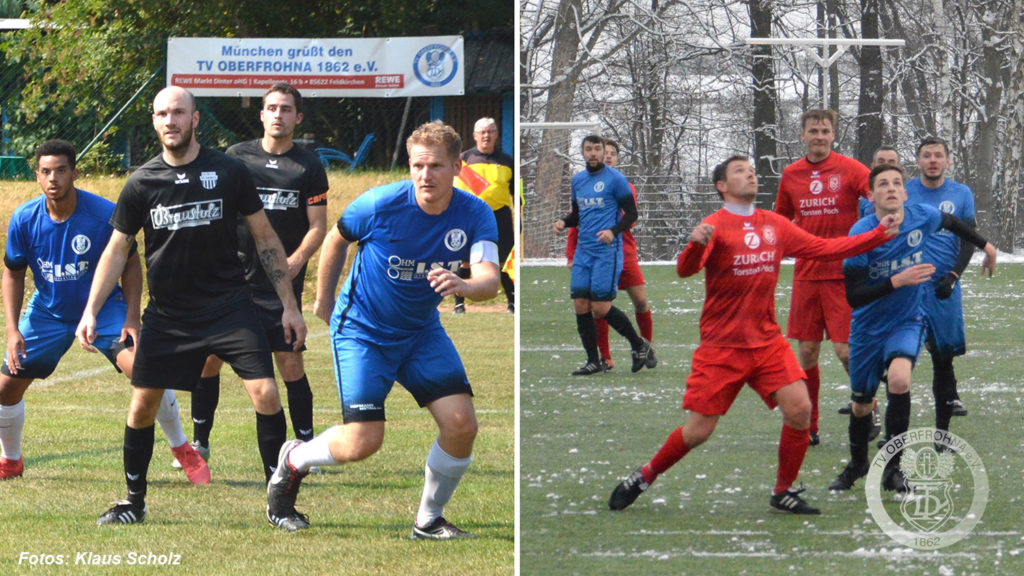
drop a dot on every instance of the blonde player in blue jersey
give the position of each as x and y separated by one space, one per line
413 236
886 287
60 236
599 195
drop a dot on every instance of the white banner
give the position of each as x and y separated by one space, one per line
333 67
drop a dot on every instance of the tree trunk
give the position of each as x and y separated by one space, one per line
765 126
1009 194
988 206
870 133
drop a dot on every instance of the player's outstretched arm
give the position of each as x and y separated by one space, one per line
275 264
967 232
13 289
110 267
317 216
332 262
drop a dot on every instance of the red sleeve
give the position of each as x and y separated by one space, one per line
692 259
803 244
783 202
860 175
570 244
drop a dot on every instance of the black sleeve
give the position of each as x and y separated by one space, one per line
963 230
629 216
572 219
966 251
859 292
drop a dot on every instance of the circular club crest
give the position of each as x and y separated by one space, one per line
915 237
950 489
817 187
455 239
752 241
435 65
81 244
769 235
599 187
947 207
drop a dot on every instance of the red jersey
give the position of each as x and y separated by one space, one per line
822 199
741 265
629 251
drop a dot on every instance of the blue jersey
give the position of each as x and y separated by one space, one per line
62 255
952 198
597 195
387 294
882 316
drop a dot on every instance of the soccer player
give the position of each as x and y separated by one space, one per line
740 248
60 235
293 187
886 288
631 280
603 207
943 305
413 236
885 155
487 172
820 192
188 200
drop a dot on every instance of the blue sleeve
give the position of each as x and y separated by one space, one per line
969 214
14 257
486 227
623 193
356 222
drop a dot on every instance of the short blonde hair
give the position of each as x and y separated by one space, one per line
436 133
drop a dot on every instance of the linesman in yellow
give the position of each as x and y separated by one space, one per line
487 172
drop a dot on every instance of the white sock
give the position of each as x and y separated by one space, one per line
442 475
316 452
12 421
169 420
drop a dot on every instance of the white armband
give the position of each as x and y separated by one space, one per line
483 251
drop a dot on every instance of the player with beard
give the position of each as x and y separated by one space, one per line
188 200
603 207
293 188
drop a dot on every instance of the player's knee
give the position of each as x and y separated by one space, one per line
899 384
461 428
798 413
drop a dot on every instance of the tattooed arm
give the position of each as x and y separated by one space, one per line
275 264
109 268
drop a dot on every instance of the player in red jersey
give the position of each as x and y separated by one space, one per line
821 193
740 248
631 280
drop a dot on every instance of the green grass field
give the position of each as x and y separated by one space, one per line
709 514
361 514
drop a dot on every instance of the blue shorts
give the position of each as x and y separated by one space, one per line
870 357
595 274
944 323
47 339
426 364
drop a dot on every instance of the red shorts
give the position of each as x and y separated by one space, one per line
718 373
631 274
817 307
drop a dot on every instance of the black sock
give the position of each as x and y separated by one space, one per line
588 335
860 430
300 407
204 403
271 431
621 324
944 389
897 414
464 273
138 451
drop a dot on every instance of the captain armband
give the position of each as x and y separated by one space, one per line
483 251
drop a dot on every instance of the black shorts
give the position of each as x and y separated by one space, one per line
270 311
172 351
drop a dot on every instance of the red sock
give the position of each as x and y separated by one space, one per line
671 452
646 325
602 337
792 448
813 388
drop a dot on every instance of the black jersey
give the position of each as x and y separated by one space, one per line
287 184
189 214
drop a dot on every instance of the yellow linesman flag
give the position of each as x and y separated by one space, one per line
510 265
